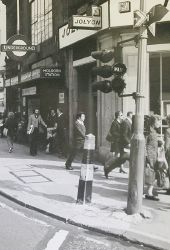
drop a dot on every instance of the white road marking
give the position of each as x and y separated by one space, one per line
57 240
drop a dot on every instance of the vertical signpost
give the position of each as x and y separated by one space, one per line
135 187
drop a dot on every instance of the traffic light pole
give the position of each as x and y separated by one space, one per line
135 187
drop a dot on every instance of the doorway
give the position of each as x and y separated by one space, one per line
159 67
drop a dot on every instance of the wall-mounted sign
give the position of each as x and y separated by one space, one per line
69 36
26 77
61 97
124 7
17 47
14 80
93 22
50 72
7 82
29 91
35 74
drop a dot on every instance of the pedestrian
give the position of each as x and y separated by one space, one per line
52 141
61 133
114 137
78 139
51 118
125 139
152 141
11 126
167 149
34 123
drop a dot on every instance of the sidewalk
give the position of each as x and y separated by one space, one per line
42 183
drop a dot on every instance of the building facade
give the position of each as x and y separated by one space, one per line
68 50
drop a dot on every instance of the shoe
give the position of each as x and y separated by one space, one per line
151 197
122 171
95 168
168 192
10 150
69 167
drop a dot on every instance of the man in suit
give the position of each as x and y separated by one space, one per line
125 139
114 138
61 132
34 122
125 132
79 138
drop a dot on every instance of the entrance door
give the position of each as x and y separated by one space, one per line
87 100
160 83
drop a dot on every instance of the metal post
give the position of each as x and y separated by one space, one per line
18 18
135 187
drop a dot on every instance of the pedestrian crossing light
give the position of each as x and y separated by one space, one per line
156 13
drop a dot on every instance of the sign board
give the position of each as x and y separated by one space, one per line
61 97
85 22
51 72
139 18
29 91
14 80
7 82
92 21
35 74
6 47
69 36
119 69
26 77
18 47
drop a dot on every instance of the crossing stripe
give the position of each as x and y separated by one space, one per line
57 240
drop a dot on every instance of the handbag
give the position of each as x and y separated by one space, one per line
161 159
149 175
5 132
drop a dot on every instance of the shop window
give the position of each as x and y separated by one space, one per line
41 20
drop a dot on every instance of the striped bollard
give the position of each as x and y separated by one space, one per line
86 173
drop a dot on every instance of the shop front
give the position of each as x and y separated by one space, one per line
40 88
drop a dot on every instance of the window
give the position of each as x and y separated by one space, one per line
41 20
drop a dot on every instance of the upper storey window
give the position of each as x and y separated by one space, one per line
41 20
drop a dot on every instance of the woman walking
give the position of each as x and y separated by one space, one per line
152 155
10 125
167 149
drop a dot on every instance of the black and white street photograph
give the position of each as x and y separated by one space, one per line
84 125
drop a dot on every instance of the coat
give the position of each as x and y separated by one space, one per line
152 148
11 125
35 121
125 133
115 136
79 134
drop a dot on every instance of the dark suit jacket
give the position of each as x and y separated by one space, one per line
79 134
126 133
115 136
61 125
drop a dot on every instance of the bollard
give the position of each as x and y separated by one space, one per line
86 173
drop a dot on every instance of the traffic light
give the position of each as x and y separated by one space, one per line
104 55
104 86
118 84
156 13
117 70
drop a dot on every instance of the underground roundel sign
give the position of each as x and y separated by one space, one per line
18 47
